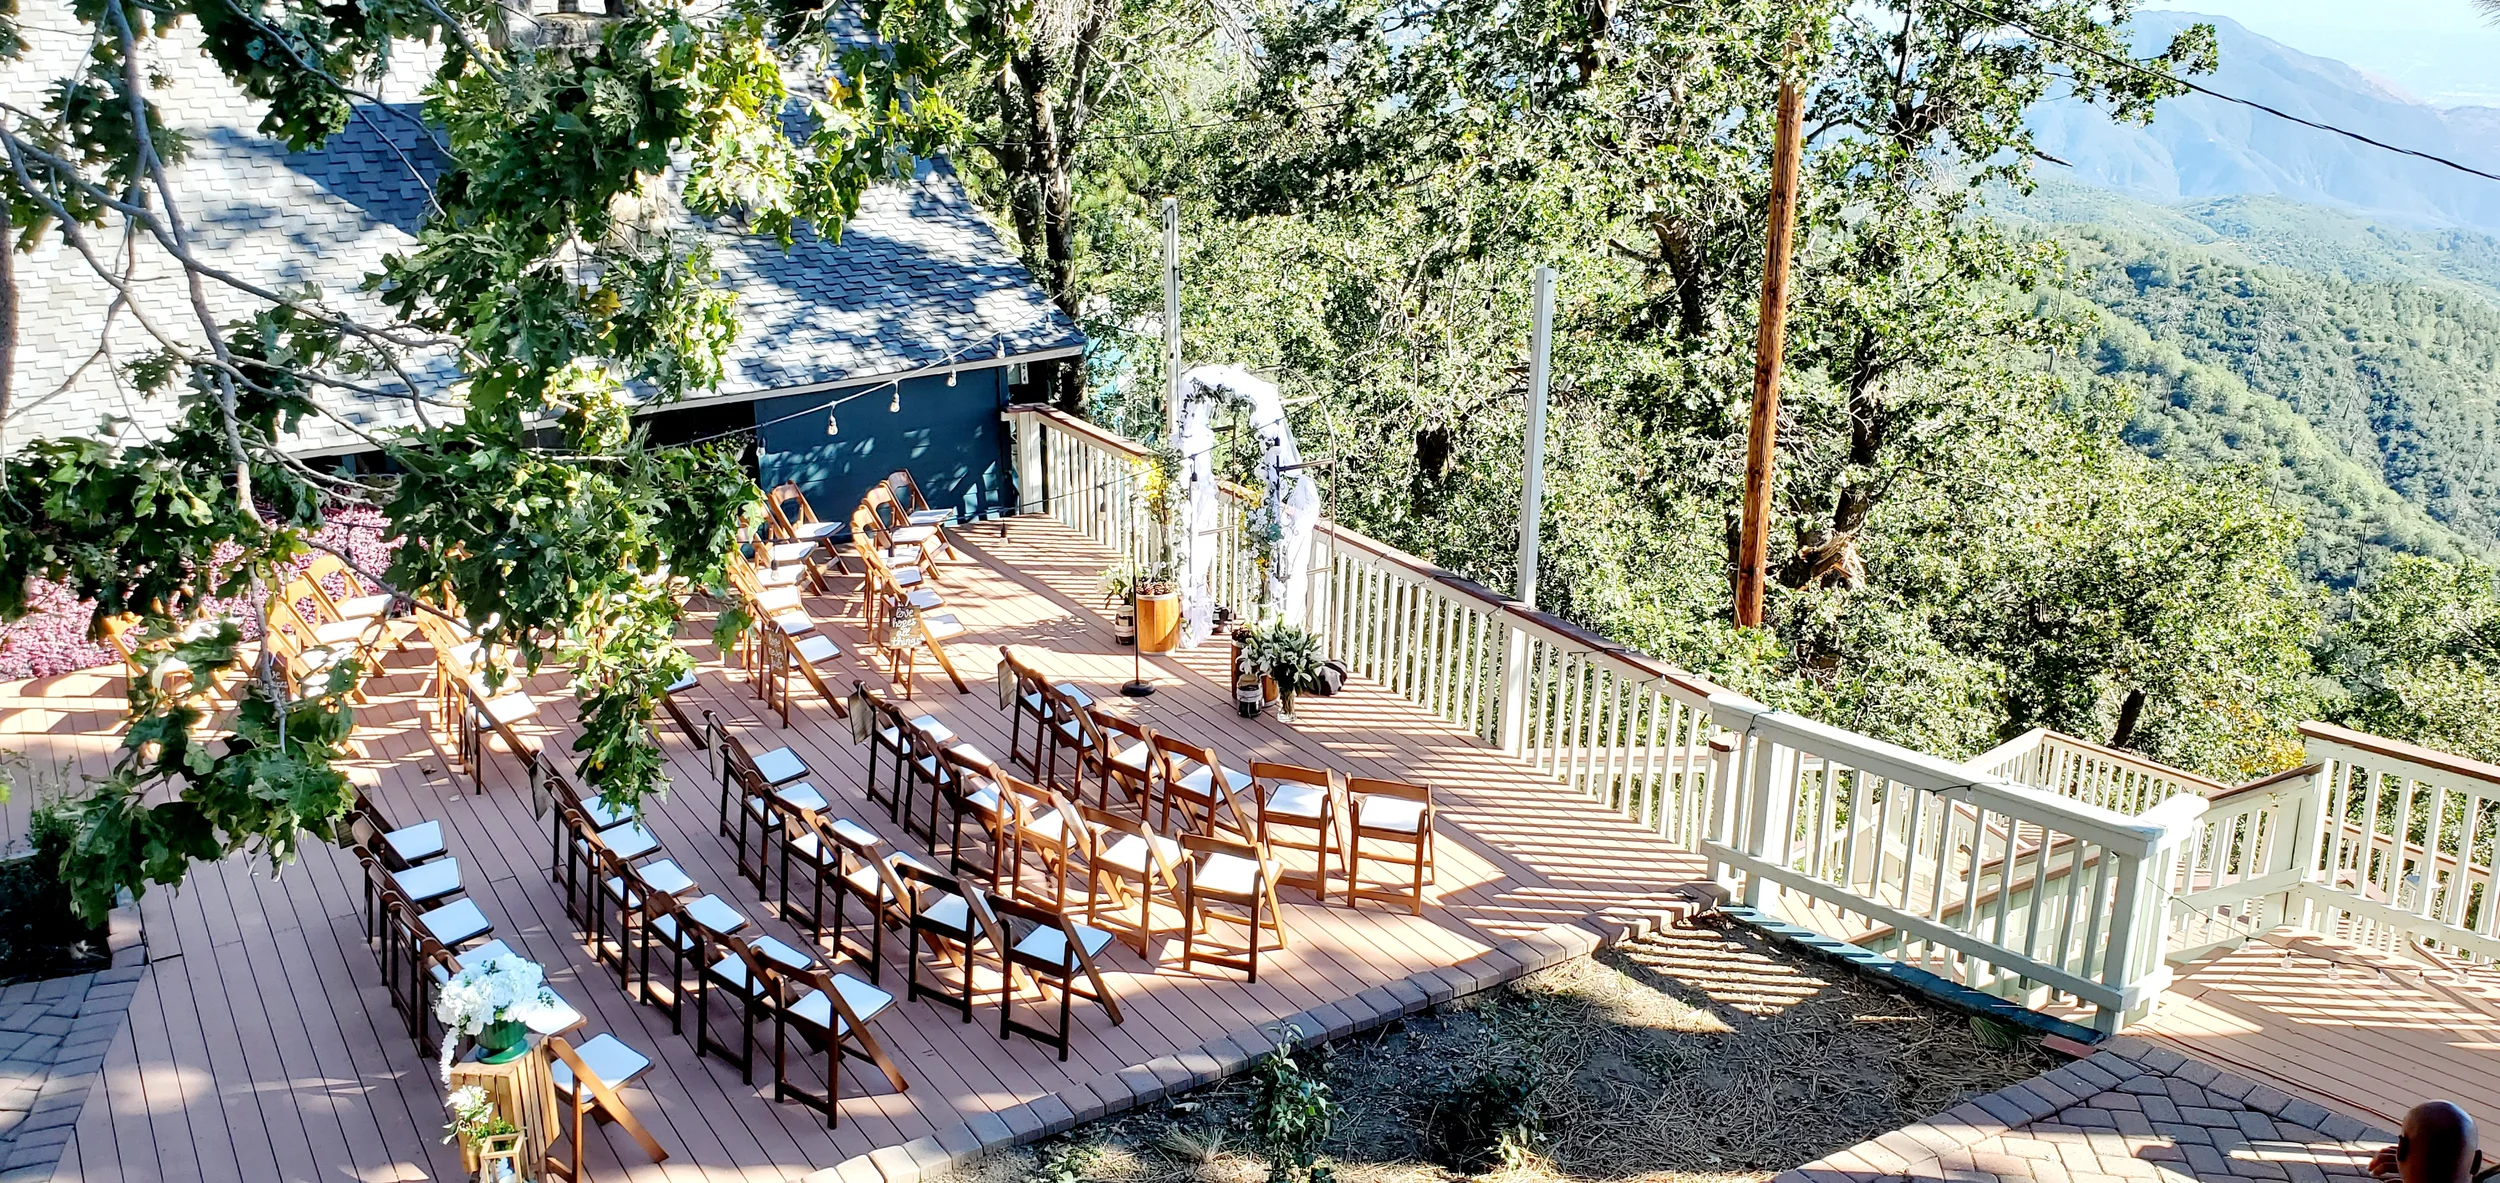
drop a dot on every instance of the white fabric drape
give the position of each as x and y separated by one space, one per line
1292 497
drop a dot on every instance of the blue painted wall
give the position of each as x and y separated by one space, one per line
950 437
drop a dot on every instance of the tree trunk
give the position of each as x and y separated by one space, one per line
8 318
2129 712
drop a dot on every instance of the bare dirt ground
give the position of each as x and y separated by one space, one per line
1695 1056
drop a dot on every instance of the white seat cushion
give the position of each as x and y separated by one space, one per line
477 956
800 796
1391 813
684 684
510 708
354 607
814 530
1048 944
1294 800
936 730
948 912
1229 874
555 1019
629 841
810 849
941 626
782 954
607 1057
417 843
780 765
456 923
795 622
851 831
1198 783
771 577
432 881
778 599
777 553
912 536
865 1000
714 913
931 517
665 877
1134 757
1048 827
1129 853
601 815
342 632
665 928
922 599
1074 693
816 648
907 577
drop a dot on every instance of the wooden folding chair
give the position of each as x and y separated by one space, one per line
968 787
938 916
741 771
1126 856
793 519
586 1079
1026 702
1297 810
677 710
1066 732
1038 821
1186 774
890 733
1118 752
895 520
1225 874
1060 954
1400 816
830 1013
870 875
736 967
917 511
633 892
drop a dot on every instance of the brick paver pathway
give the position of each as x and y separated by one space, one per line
2134 1111
52 1039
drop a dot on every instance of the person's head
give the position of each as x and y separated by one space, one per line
2437 1145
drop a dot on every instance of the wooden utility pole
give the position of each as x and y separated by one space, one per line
1753 559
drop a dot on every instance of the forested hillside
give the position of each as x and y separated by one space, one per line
2369 407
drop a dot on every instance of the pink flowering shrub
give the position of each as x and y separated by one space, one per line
52 639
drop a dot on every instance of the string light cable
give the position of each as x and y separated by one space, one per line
2209 92
991 348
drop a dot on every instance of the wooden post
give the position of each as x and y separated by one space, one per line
1754 547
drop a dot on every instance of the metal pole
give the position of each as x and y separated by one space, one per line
1172 321
1511 728
1532 496
1753 560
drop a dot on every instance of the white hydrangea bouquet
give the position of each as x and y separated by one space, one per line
493 1001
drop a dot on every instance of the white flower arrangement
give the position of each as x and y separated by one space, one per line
500 988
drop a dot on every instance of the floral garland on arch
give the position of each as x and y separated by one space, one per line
506 988
1279 528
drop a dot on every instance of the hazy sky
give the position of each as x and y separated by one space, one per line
2441 51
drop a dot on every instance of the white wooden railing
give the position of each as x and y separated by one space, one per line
2026 891
2086 771
2022 888
2404 845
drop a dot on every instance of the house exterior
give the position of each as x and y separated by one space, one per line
919 317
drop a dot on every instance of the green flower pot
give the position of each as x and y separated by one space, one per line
503 1041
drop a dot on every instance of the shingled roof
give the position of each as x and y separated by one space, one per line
918 278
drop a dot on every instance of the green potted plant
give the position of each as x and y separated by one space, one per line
1157 590
1119 594
1287 654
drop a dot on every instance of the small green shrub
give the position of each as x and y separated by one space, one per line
40 937
1486 1123
1291 1113
1064 1162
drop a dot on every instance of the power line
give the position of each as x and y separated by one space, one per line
2210 92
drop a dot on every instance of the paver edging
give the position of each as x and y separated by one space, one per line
1230 1054
1933 1149
88 1009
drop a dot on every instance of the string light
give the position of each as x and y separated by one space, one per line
833 426
896 404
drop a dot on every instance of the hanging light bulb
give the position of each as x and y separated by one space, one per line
950 375
895 404
833 426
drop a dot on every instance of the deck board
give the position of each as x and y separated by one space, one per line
262 1043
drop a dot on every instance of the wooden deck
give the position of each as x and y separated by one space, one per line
2357 1031
261 1044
